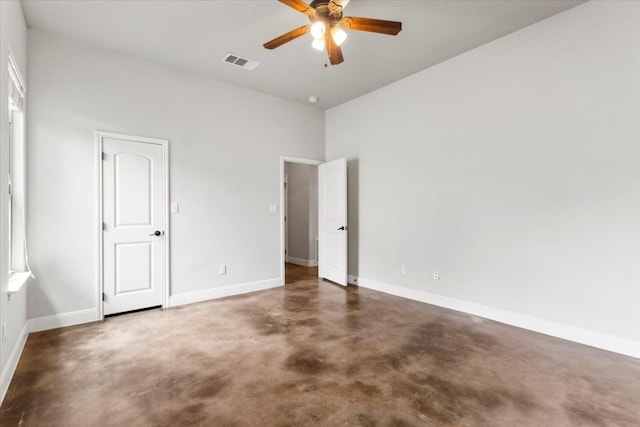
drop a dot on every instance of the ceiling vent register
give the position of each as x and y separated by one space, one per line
238 61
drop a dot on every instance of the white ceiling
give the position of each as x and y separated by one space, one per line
196 35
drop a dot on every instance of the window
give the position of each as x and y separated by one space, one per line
19 269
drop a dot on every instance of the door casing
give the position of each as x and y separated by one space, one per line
164 143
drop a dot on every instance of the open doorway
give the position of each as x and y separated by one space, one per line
300 218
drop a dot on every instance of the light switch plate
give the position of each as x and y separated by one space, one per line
273 208
175 208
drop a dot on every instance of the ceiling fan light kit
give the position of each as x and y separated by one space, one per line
326 17
339 35
318 44
317 29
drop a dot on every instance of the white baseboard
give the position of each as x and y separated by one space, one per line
352 280
226 291
302 262
63 319
559 330
91 315
12 362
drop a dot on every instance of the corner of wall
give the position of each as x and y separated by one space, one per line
12 362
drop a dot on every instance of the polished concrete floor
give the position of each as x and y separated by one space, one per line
313 353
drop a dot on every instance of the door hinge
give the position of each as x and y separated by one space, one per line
104 156
104 296
104 226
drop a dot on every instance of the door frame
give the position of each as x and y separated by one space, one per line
289 159
164 143
285 213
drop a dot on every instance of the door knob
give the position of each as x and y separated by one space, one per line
157 233
344 227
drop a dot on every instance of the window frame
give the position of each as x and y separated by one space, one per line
18 264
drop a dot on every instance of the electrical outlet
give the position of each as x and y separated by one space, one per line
436 275
222 269
403 270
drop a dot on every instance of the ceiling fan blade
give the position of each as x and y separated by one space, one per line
287 37
334 51
300 6
372 25
337 6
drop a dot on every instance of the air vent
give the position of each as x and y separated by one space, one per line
238 61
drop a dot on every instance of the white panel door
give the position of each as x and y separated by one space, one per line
133 232
332 221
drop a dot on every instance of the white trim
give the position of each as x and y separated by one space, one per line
100 135
289 159
559 330
99 226
302 262
17 82
16 281
167 227
15 74
301 161
62 320
12 362
225 291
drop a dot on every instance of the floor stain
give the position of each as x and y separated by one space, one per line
307 361
446 344
369 390
267 323
209 386
314 354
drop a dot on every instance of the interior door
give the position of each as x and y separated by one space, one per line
332 221
285 208
134 224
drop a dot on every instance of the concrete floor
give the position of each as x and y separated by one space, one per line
313 353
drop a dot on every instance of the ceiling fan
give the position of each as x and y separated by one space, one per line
326 17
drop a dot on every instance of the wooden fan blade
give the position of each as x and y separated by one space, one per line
287 37
334 51
300 6
372 25
337 6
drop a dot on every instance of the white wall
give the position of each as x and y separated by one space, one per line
302 216
13 35
513 169
225 148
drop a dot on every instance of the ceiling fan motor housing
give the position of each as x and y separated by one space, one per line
327 11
